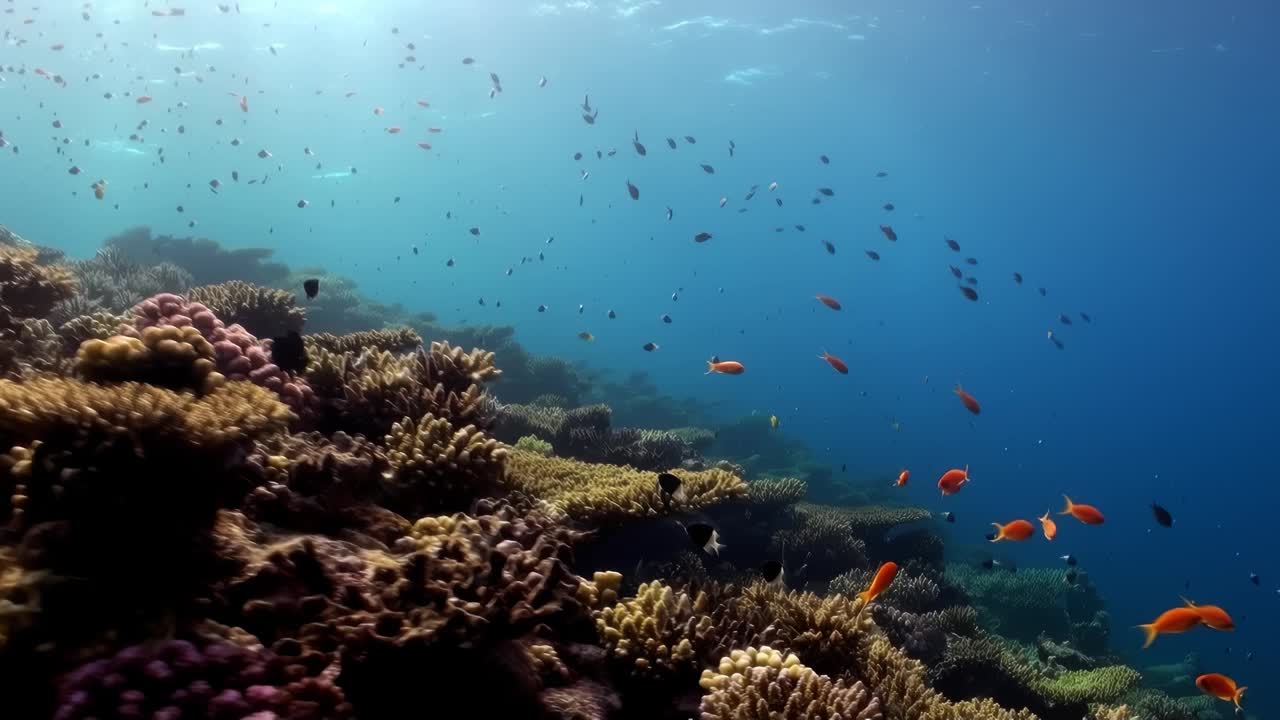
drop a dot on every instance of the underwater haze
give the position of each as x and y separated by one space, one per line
1118 158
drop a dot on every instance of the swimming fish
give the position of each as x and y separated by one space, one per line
671 143
889 233
99 188
702 237
1163 518
1177 620
1018 530
670 213
949 516
725 367
829 301
953 244
889 207
1087 514
903 477
955 271
952 480
586 336
1049 527
671 486
691 139
289 353
970 402
704 536
649 346
772 573
1212 616
1221 687
612 315
834 362
831 249
311 286
826 191
1017 278
708 169
969 293
633 191
640 149
883 578
666 319
1070 560
873 255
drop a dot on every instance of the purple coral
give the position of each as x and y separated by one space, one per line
176 680
238 354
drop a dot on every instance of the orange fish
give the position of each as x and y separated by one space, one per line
393 130
835 362
244 103
1221 687
1177 620
1018 530
725 367
903 477
143 99
1049 526
1087 514
1212 615
882 580
952 480
970 402
424 145
424 103
829 301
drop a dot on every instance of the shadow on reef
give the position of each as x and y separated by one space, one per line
204 518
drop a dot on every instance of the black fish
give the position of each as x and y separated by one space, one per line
777 201
949 516
969 292
1163 518
671 143
704 536
1017 278
633 191
1085 317
638 146
579 199
888 206
956 247
889 233
311 286
449 262
955 271
1043 292
649 346
1064 319
702 237
772 572
666 319
827 191
824 159
882 174
831 249
577 156
670 213
670 485
542 308
971 261
1253 578
971 280
873 255
800 228
1056 342
708 169
612 315
590 119
289 353
690 139
474 231
1070 560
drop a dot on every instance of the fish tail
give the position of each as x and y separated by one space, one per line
865 596
999 534
1045 516
1066 510
1239 695
711 367
1150 633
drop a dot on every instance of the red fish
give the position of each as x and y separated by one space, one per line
835 362
1177 620
882 580
1087 514
1212 615
903 477
952 480
829 301
970 402
1221 687
1018 530
725 367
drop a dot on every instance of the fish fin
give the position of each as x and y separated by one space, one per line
1067 509
1045 516
1239 695
865 596
1150 633
1188 602
999 534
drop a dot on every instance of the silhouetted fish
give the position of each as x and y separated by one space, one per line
289 353
311 286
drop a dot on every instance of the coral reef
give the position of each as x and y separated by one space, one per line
173 357
206 261
770 495
111 281
436 467
761 684
32 347
392 340
29 289
263 311
531 443
586 434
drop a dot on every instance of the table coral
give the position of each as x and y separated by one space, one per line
769 495
393 340
762 684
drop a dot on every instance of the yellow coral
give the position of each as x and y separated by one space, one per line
762 684
594 493
659 632
390 339
168 356
439 465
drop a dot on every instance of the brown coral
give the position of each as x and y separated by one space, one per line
263 311
393 340
31 347
436 466
596 494
28 289
174 357
762 684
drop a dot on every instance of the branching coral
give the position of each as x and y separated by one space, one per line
761 684
28 289
821 533
585 434
166 356
1147 704
263 311
596 494
532 444
95 326
772 494
437 467
112 281
32 347
910 592
393 340
1024 604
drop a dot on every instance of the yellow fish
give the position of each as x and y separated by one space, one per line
773 421
584 335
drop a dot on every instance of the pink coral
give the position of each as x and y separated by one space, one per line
238 354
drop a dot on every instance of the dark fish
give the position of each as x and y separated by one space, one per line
881 174
612 315
586 103
969 292
449 263
888 206
670 213
542 308
824 159
666 319
474 231
971 280
1043 292
971 261
1163 518
590 119
827 191
889 233
831 249
691 139
633 191
311 286
772 572
74 169
599 155
702 237
639 147
1253 578
577 156
649 346
1085 317
1070 560
468 60
777 201
708 169
670 485
816 201
1017 278
579 199
799 227
704 536
949 516
1056 342
264 154
1071 576
1064 319
873 255
301 203
671 143
289 353
956 246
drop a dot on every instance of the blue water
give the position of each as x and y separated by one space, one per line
1121 155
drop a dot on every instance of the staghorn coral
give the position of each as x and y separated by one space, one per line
95 326
531 443
32 347
393 340
170 357
761 684
28 289
1148 704
436 466
911 592
919 636
598 494
178 679
773 494
821 534
517 421
1110 712
111 281
263 311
